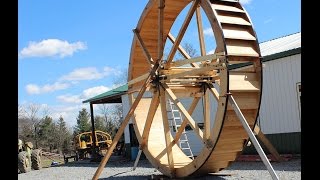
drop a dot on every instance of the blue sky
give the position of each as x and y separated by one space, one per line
72 50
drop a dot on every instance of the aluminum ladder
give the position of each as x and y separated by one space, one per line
175 119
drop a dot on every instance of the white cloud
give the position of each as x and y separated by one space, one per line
69 98
86 94
267 21
51 47
208 32
69 113
35 89
110 71
91 92
243 2
87 73
65 81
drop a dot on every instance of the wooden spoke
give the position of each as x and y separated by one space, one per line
121 129
143 46
195 71
185 121
166 129
200 31
182 50
152 110
196 59
206 107
138 79
160 33
182 30
214 91
191 121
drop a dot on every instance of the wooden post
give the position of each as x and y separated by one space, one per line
93 149
182 30
200 31
207 109
166 130
122 127
267 143
253 138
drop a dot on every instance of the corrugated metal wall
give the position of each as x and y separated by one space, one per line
279 111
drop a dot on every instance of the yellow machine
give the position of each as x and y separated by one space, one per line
83 143
28 157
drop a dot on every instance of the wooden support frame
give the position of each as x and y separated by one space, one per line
253 138
200 32
152 110
182 30
143 46
154 25
196 59
182 50
166 130
206 107
193 72
268 144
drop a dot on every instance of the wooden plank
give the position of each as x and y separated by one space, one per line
241 48
237 32
166 130
268 144
143 47
138 79
152 110
182 50
246 100
181 108
160 29
214 91
121 129
206 107
196 59
232 19
195 71
200 31
182 30
225 7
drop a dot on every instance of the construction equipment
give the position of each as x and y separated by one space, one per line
83 143
28 157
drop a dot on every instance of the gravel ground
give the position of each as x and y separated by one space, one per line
119 168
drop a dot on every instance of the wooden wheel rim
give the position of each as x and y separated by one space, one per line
228 138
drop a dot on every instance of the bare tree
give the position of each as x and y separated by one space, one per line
32 114
121 78
104 109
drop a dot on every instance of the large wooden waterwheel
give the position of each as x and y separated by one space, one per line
154 78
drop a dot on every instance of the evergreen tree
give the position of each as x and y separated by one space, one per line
62 134
47 132
83 124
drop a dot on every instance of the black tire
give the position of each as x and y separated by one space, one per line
24 162
36 159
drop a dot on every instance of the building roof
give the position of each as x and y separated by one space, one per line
270 50
112 96
282 44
